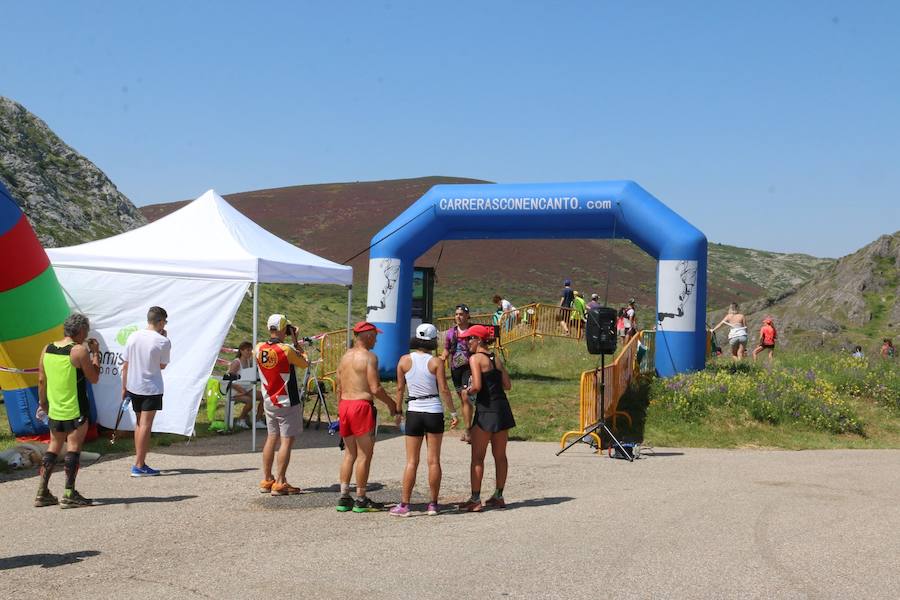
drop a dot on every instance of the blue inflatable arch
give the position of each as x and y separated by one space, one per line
588 210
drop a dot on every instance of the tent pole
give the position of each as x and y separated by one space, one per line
253 398
349 304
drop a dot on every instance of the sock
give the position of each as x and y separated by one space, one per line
47 464
72 461
476 496
498 493
345 490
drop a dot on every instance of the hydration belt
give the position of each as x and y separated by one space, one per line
411 398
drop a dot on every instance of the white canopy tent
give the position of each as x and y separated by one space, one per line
197 263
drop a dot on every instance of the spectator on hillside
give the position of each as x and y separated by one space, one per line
579 313
565 304
507 313
737 335
767 338
630 321
857 352
887 349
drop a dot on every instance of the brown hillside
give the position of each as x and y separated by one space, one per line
337 221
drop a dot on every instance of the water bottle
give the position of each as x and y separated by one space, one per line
403 426
42 416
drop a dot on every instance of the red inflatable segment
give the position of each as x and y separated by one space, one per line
29 260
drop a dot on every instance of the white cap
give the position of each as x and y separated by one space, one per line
426 331
278 322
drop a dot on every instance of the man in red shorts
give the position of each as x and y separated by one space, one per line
358 386
281 402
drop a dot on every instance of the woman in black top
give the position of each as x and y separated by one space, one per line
493 416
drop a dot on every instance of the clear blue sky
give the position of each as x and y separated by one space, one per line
773 125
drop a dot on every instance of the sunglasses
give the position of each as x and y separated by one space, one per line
462 307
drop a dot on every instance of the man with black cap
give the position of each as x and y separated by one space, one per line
358 385
567 297
281 402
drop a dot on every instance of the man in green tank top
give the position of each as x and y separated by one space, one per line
62 392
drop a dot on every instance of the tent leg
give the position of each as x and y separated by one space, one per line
349 305
253 398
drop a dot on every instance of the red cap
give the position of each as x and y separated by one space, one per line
364 326
768 321
480 331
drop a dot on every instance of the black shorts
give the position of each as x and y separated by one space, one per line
460 376
420 423
67 426
141 403
767 346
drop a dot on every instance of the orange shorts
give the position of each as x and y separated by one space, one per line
356 417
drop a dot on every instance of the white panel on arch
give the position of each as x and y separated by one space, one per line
677 295
384 274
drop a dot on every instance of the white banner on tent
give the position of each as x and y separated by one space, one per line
200 313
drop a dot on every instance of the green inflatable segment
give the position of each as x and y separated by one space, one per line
32 307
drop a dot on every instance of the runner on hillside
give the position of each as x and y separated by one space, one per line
457 352
358 385
767 337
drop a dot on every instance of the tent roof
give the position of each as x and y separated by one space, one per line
208 239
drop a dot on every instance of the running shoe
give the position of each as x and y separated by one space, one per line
265 486
241 425
432 509
72 499
285 489
145 471
495 502
401 510
45 498
345 504
261 425
366 504
471 506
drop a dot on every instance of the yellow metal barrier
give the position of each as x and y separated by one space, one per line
619 375
332 345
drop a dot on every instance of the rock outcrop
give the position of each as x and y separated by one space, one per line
65 196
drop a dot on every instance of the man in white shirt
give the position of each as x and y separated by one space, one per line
146 355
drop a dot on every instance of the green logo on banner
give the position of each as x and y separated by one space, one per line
125 333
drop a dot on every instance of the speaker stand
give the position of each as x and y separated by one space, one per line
600 425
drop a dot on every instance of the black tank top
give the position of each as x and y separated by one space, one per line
491 396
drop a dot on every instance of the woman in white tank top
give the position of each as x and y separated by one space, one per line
422 382
737 335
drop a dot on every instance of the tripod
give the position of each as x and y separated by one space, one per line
319 405
601 422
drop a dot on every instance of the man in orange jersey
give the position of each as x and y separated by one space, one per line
281 401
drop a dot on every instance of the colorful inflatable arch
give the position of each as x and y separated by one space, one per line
604 209
32 310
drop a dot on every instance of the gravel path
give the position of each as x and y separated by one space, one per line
683 523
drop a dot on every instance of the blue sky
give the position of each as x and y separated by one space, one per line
772 125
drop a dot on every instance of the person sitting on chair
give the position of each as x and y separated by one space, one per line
244 368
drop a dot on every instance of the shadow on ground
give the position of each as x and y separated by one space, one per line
45 561
141 500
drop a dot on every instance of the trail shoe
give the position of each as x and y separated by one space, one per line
471 506
432 509
265 486
366 504
285 489
144 471
345 504
72 499
45 498
495 502
401 510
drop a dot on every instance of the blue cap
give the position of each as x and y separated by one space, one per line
567 282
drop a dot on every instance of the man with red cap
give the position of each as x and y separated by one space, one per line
358 385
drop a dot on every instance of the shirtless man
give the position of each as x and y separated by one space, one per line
358 386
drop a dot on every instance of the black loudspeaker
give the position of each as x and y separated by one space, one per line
600 330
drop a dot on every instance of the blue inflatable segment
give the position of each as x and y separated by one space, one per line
21 408
10 213
586 210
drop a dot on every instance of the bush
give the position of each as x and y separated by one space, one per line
780 394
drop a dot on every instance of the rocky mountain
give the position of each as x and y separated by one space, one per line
856 300
65 196
338 220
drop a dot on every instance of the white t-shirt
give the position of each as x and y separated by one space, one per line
627 322
144 352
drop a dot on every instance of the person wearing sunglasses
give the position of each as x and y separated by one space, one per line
456 350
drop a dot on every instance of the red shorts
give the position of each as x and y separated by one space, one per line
356 417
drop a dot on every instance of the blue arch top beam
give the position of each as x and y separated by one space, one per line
586 210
